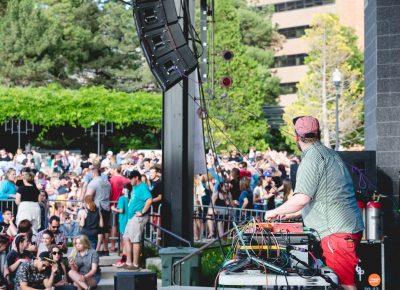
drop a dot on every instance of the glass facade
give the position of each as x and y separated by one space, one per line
289 88
289 60
293 32
300 4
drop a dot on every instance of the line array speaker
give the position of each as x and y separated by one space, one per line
163 43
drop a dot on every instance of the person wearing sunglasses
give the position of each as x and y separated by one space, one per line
59 236
60 276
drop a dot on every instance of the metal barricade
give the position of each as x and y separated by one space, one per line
224 215
153 233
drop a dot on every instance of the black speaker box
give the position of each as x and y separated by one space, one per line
151 15
163 42
135 281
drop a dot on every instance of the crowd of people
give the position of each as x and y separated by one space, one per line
69 196
237 186
47 203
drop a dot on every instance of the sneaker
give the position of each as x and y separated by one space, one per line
119 263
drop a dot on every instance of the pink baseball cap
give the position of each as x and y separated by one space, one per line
306 126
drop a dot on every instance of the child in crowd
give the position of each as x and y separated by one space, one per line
122 209
7 226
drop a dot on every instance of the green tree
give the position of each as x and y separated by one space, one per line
25 37
72 42
332 46
236 113
123 67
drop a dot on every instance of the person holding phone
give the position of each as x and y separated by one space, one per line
59 237
60 275
84 264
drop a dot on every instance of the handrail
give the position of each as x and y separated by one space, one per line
171 234
199 251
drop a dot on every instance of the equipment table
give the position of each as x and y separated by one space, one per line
256 278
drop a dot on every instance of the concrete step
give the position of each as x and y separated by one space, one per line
109 260
106 284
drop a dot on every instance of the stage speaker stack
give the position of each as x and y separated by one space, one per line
135 281
163 42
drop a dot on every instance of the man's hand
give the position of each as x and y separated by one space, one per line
138 214
270 214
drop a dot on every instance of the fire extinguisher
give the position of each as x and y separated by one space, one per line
362 207
374 220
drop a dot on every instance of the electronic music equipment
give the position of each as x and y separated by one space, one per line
269 240
268 250
276 228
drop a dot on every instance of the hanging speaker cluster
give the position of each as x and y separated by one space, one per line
161 38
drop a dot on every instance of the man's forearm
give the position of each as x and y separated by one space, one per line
293 205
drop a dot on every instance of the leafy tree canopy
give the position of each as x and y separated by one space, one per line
72 42
54 106
236 113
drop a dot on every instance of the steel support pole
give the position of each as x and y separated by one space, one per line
178 143
19 133
337 120
98 138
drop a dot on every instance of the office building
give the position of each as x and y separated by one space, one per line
292 19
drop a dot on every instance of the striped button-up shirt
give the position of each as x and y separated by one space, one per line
323 176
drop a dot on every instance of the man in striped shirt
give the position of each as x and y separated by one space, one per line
324 197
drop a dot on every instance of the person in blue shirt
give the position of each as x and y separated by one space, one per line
8 189
138 216
122 210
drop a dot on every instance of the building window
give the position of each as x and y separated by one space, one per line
300 4
290 60
293 32
289 88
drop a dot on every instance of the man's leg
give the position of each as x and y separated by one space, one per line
128 249
136 254
339 251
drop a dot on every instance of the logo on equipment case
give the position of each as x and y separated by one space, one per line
360 272
374 280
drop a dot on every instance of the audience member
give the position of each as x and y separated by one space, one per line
84 264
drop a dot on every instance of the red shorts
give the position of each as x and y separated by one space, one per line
339 251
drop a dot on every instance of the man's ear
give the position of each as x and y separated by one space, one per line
297 138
